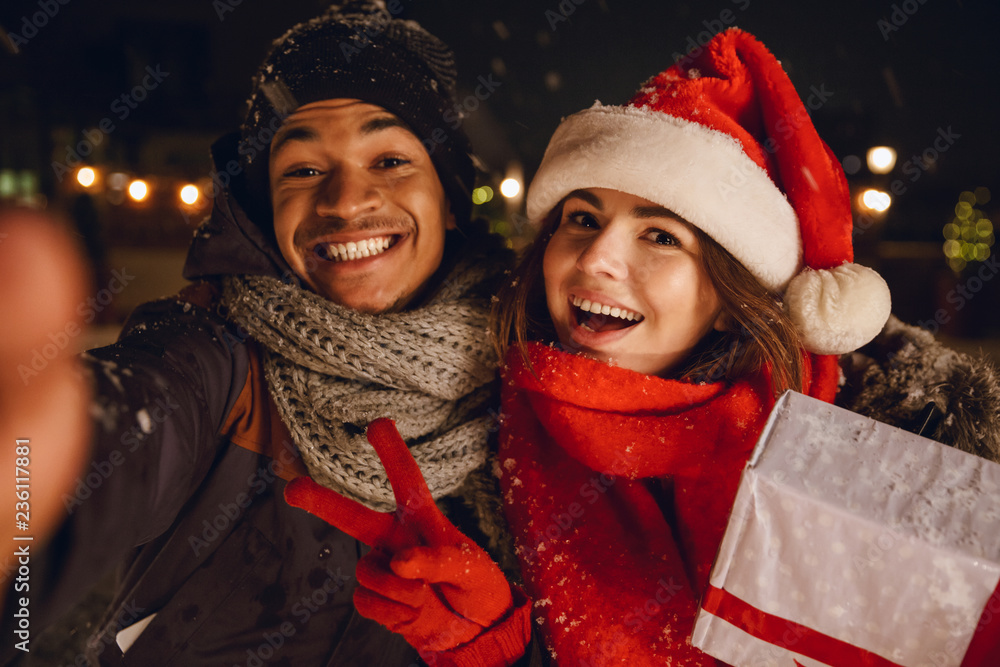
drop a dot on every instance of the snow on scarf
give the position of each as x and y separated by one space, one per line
587 454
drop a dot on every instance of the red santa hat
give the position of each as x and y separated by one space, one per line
723 140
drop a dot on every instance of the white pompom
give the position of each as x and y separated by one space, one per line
837 310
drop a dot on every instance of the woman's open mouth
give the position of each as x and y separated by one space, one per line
352 250
599 318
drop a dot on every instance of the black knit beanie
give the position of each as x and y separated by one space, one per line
359 50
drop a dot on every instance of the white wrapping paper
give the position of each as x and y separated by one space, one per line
861 532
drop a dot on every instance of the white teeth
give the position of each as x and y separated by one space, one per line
341 252
589 306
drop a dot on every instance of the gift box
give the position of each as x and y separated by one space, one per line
852 542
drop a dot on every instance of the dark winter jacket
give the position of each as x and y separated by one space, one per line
907 378
185 489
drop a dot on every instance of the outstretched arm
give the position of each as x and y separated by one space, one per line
44 428
111 459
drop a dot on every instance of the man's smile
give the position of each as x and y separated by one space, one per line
351 250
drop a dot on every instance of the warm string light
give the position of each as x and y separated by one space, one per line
881 159
120 187
86 176
138 189
190 194
876 200
510 188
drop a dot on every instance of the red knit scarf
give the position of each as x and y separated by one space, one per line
617 487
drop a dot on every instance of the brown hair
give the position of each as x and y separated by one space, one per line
758 331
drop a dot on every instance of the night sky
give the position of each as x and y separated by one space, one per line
896 73
894 76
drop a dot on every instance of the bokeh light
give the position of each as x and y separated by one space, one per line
510 188
482 195
86 176
117 180
190 194
138 189
881 159
969 235
876 200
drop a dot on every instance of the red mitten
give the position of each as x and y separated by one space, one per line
423 578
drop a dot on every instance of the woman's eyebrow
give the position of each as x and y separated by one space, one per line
588 197
656 211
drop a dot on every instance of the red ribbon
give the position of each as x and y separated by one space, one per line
787 634
984 649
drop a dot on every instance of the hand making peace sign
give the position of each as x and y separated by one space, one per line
423 578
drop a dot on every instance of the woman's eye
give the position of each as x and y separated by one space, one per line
583 219
661 237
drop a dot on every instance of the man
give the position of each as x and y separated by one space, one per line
340 280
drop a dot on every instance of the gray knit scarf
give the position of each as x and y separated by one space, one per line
332 370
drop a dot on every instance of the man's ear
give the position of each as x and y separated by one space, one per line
449 219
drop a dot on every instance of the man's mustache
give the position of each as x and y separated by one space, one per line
307 232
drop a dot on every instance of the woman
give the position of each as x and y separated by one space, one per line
693 263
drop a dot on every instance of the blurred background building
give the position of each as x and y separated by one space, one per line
108 109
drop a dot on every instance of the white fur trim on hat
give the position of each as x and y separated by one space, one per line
836 311
701 174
